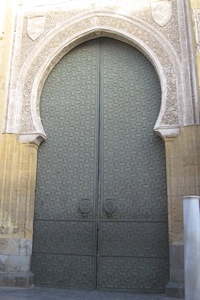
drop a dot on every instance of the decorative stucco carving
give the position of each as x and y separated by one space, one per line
35 26
161 11
66 27
196 16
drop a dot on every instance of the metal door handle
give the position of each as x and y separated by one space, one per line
109 206
85 206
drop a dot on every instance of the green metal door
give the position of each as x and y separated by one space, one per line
101 211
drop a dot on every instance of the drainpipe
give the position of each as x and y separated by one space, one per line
191 214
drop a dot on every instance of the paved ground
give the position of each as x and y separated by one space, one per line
42 293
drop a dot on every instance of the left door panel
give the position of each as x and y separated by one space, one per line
64 242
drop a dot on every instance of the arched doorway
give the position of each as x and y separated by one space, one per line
101 207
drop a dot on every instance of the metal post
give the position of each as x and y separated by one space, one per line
191 208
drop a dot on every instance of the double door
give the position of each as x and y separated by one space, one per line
101 211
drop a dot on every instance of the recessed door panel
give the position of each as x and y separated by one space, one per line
101 211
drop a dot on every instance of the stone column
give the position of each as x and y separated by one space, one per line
191 207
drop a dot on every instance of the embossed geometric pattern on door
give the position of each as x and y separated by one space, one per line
101 210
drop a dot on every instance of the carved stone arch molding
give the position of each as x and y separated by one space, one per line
176 110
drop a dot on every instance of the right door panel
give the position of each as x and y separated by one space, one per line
133 241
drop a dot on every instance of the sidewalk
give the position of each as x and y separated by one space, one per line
43 293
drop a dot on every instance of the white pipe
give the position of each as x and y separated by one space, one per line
191 208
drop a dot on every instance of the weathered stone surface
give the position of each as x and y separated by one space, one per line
176 263
17 279
19 263
175 290
3 263
15 246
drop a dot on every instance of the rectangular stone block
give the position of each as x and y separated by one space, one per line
16 279
19 263
25 247
3 279
174 290
177 263
9 246
3 263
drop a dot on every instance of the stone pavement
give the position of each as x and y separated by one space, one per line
43 293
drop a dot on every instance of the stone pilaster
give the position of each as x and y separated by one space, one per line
17 185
